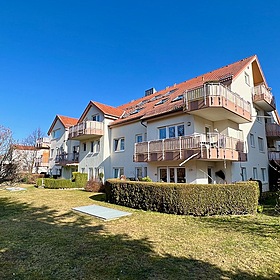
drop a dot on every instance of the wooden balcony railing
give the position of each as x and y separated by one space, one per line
86 130
67 158
272 130
40 163
263 98
228 105
211 146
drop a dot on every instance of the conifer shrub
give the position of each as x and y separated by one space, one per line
185 199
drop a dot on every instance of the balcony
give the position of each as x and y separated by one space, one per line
210 146
65 159
40 163
272 130
263 98
274 155
86 130
215 102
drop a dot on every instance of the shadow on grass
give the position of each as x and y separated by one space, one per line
98 197
35 244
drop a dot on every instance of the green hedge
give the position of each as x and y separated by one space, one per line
79 180
185 199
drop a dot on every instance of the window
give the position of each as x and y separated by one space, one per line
96 118
161 101
173 131
179 97
52 153
97 146
138 172
181 130
261 146
56 134
243 174
138 138
252 140
162 133
255 173
264 174
91 147
85 146
247 79
119 144
118 172
145 171
83 170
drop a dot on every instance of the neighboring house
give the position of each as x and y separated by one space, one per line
216 127
25 157
42 155
64 153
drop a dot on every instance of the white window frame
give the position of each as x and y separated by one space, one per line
119 144
252 140
138 172
247 79
138 138
255 173
261 144
167 130
244 174
96 117
264 174
118 172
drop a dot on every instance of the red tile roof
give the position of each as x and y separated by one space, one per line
105 109
146 107
66 122
24 148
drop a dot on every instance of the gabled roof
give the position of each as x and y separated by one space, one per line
66 122
169 99
105 109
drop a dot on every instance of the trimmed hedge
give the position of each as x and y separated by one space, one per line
185 199
79 180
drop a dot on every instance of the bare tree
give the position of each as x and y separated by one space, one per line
9 167
29 155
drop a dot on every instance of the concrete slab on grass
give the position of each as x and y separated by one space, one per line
15 189
101 212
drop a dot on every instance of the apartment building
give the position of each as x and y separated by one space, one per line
64 152
221 126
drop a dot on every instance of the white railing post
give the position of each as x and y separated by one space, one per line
180 146
148 150
163 149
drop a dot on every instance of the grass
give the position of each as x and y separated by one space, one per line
42 238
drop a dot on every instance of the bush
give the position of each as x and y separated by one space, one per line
186 199
29 178
79 180
94 185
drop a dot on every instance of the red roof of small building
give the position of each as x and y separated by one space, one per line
24 148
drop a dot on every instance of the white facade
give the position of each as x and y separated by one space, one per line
210 129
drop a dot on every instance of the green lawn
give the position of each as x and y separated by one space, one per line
42 238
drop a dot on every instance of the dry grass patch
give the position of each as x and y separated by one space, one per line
42 238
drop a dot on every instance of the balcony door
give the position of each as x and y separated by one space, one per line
172 174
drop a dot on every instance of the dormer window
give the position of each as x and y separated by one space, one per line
179 97
161 101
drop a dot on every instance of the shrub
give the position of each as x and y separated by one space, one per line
146 179
186 199
79 180
94 185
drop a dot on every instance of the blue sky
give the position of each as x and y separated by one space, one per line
58 55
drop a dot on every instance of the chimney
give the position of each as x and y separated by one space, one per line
150 91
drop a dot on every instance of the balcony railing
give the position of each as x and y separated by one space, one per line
274 155
39 163
227 104
272 130
211 146
86 130
64 159
264 98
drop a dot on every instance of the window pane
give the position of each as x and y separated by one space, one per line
116 141
163 175
162 133
181 130
122 144
171 131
